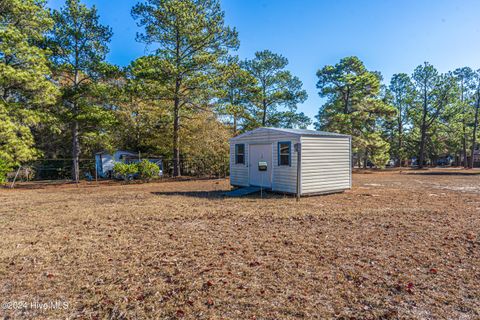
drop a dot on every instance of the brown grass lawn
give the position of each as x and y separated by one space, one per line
398 245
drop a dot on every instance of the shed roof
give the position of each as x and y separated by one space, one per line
297 132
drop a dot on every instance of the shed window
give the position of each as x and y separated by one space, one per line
284 153
240 154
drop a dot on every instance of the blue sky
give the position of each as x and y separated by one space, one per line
390 36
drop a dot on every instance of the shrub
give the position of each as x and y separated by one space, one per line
148 170
5 168
125 170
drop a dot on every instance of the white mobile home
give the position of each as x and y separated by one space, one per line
105 161
268 158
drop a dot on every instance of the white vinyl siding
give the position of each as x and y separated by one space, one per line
325 164
238 172
284 178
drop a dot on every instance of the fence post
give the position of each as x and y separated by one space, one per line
96 174
15 178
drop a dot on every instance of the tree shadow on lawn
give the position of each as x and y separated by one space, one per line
444 173
220 194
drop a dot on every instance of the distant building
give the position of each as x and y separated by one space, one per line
105 161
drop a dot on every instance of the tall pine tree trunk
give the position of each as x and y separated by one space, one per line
176 108
264 103
400 140
474 137
234 125
464 129
264 118
176 129
75 130
421 153
423 131
365 159
75 152
400 146
464 144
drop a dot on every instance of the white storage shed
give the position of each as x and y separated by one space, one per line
268 158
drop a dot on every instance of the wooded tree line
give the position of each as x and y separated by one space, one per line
426 115
62 99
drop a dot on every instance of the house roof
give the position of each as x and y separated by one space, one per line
120 151
297 132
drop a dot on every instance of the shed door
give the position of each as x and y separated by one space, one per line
258 155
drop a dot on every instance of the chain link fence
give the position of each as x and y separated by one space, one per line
61 169
199 167
53 169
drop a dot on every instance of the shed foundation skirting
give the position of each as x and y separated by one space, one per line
324 192
304 195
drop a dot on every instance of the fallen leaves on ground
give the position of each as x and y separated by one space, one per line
386 249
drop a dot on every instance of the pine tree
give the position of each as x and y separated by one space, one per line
464 78
476 104
80 45
278 88
354 106
434 93
26 89
402 97
237 88
192 38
